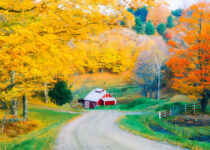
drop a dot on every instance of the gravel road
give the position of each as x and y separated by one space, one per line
96 130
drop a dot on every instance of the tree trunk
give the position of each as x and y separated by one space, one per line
156 93
150 91
14 108
45 93
204 100
144 91
25 107
158 87
3 104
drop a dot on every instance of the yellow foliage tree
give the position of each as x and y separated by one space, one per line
35 36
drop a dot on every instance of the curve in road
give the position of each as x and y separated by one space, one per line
97 130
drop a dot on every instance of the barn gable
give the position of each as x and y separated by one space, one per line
96 98
97 94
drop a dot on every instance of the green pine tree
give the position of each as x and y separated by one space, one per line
139 28
149 28
161 28
60 94
170 22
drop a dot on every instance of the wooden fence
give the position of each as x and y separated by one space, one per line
187 108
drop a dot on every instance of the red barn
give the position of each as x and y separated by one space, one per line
98 97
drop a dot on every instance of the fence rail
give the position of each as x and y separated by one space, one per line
187 108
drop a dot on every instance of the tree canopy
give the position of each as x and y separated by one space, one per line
189 60
158 15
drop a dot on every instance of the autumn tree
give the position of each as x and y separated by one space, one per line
149 28
189 60
148 70
158 14
38 40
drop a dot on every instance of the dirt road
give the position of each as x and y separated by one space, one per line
96 130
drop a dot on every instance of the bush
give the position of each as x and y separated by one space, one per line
149 28
60 93
175 107
170 22
161 28
139 28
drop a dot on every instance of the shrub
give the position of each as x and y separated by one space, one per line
60 93
149 28
161 28
170 22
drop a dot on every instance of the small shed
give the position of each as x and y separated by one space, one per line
98 97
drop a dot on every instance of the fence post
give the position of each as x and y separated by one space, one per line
194 107
185 107
159 115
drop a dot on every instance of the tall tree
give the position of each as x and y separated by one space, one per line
170 22
149 28
190 61
148 71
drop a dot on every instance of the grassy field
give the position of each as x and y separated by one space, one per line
43 137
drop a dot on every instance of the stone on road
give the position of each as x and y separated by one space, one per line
97 130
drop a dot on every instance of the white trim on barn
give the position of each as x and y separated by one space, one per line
98 97
97 94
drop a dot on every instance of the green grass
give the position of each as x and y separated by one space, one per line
138 104
139 125
43 138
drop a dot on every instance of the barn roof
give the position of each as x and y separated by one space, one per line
97 94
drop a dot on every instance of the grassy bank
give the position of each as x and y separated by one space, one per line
165 130
43 137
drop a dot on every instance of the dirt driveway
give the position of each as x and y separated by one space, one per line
96 130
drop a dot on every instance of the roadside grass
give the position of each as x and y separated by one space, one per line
139 125
44 136
38 103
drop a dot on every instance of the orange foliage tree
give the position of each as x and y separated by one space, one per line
189 61
158 15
